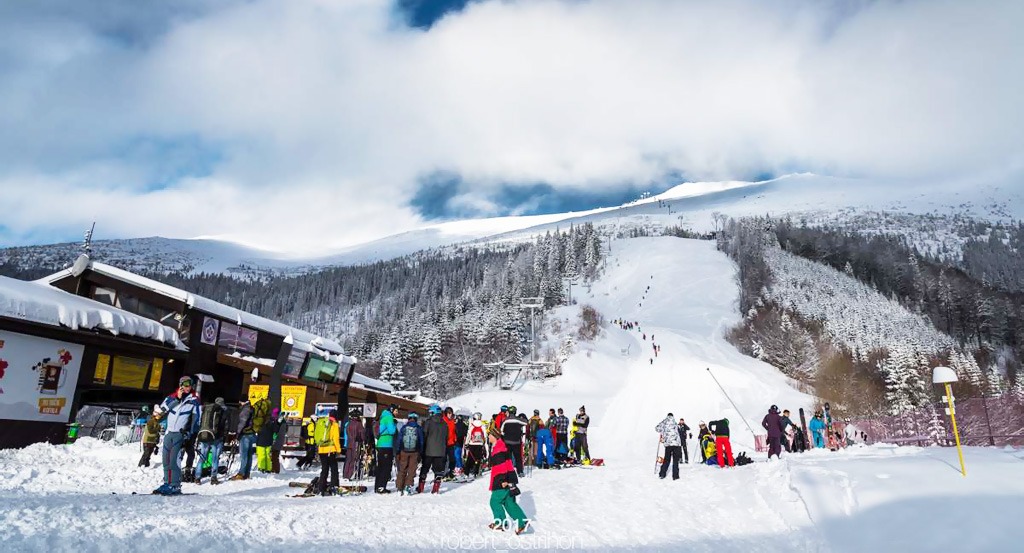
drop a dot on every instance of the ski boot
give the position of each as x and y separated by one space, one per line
214 481
162 490
437 487
421 485
409 490
497 526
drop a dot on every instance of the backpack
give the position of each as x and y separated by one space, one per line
476 435
322 432
410 438
260 413
742 459
210 423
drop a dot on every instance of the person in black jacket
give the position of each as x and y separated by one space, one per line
720 429
786 423
435 446
582 421
684 429
512 432
461 429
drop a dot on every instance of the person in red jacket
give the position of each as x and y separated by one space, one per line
503 485
449 421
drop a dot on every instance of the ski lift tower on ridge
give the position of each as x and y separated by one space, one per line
532 304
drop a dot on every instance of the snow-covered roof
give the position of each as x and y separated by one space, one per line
209 306
41 303
371 383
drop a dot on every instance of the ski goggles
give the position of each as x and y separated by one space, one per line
185 382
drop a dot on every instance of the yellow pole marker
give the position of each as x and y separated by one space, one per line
956 433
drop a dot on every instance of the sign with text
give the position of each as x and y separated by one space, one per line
38 377
293 398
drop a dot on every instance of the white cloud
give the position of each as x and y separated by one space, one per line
321 115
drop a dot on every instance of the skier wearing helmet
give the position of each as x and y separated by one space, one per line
512 432
435 445
476 446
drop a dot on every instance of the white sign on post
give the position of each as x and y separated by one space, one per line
38 377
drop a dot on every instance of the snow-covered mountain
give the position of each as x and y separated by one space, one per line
815 198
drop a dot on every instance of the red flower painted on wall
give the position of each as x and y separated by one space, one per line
65 357
3 367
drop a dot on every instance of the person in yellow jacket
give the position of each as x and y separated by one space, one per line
328 437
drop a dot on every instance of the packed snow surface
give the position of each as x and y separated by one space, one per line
866 498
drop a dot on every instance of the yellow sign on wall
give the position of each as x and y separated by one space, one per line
293 398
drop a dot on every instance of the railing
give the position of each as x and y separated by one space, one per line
993 421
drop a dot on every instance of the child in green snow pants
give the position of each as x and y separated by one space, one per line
502 502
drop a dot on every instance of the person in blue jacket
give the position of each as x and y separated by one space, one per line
817 427
183 414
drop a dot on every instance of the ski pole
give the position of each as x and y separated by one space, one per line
744 419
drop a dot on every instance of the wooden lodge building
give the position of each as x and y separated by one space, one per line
98 335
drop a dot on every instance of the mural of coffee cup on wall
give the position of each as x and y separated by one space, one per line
51 372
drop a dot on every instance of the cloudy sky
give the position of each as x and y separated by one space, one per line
307 125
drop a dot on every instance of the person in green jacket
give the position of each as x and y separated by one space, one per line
150 438
385 449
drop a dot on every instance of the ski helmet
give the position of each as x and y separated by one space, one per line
774 408
477 416
512 410
434 409
413 416
504 408
536 412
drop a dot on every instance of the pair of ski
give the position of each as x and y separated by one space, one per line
341 490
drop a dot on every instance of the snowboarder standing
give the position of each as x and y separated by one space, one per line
150 437
669 432
503 485
772 422
435 446
683 430
385 449
212 432
183 413
410 444
720 429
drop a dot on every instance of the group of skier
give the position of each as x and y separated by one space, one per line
713 443
191 430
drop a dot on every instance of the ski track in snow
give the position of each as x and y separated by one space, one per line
77 498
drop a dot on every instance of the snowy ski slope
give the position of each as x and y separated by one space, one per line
77 498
